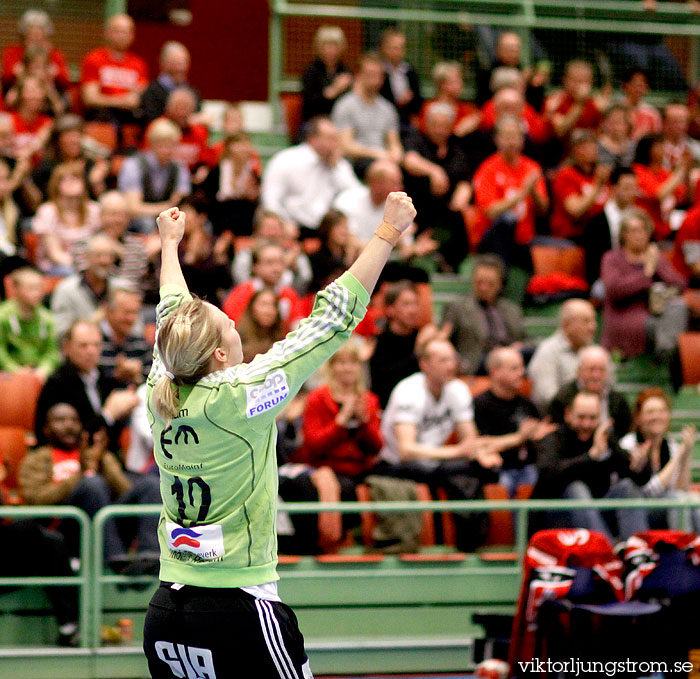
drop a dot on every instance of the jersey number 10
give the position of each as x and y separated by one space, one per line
178 491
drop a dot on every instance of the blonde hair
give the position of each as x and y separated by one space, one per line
332 34
161 129
186 342
352 350
443 69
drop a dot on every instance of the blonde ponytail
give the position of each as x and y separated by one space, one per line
165 399
186 342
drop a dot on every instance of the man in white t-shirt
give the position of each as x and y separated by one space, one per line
423 412
363 205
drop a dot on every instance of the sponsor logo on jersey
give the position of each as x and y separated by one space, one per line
185 536
206 543
262 397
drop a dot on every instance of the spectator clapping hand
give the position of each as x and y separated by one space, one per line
91 455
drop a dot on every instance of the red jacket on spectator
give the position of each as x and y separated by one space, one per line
590 117
26 133
13 55
645 119
569 181
239 298
686 245
495 180
535 127
650 181
350 452
115 76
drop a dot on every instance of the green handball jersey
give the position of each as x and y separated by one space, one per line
217 458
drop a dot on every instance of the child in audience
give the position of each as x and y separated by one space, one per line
28 341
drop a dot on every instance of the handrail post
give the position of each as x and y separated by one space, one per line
86 581
97 567
521 530
275 66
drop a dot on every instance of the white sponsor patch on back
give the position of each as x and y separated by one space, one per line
271 393
206 542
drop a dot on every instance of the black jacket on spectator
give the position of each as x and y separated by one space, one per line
455 162
313 82
562 459
494 416
414 106
618 408
154 99
393 359
596 236
66 386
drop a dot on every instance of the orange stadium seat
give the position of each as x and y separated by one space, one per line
689 350
292 103
548 259
13 448
500 530
19 393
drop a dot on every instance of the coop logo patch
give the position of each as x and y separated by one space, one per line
262 397
204 542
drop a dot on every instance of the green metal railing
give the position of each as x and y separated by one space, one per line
101 578
521 508
83 580
307 579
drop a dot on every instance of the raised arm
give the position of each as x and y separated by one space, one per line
398 216
171 226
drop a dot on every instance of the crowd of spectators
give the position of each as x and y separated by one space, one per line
527 162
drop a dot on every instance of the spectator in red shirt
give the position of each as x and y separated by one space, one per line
32 127
35 29
449 82
36 64
510 101
341 420
661 189
579 189
267 268
574 107
645 118
676 122
509 191
113 78
686 248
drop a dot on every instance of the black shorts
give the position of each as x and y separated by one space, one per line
207 633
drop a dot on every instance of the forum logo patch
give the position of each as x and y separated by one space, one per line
205 543
263 397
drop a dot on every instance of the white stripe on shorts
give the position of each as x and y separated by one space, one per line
278 658
276 626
